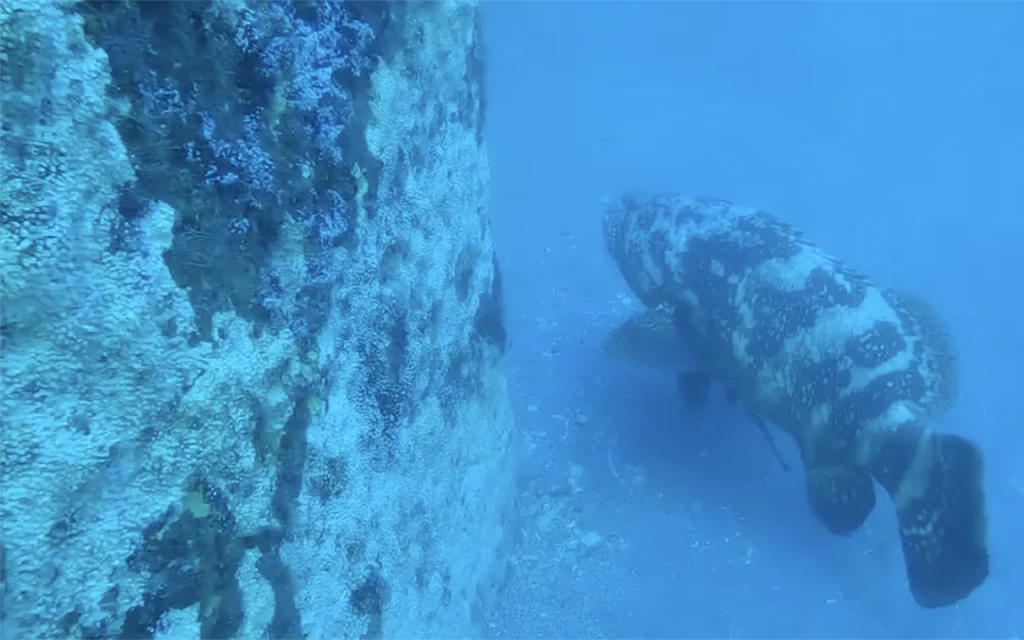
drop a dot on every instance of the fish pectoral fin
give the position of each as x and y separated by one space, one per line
648 338
695 387
841 497
935 482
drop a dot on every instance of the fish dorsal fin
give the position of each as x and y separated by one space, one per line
938 355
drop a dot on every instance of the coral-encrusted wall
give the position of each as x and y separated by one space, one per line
251 322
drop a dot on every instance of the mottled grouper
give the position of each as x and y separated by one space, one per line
853 372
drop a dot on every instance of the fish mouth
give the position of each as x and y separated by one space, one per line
616 215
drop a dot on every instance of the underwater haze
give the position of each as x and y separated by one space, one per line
892 135
506 320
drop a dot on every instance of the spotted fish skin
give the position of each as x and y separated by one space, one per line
852 371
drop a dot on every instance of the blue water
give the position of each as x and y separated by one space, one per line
893 135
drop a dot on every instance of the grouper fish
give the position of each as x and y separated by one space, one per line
854 372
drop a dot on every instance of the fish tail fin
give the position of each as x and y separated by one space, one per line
935 481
